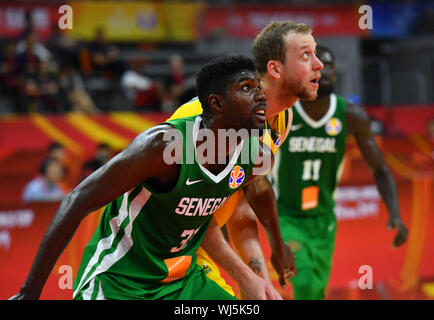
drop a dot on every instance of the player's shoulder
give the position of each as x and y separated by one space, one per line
188 109
155 137
357 118
355 111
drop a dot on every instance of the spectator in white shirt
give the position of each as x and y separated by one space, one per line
46 186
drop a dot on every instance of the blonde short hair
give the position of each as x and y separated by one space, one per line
269 43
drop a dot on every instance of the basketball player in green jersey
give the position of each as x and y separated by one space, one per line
159 209
307 172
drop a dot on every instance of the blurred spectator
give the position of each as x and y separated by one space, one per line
42 89
64 48
102 155
45 187
8 61
56 150
28 25
141 89
9 75
189 91
105 57
73 92
71 162
27 59
30 43
173 83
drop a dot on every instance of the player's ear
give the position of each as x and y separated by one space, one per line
273 68
215 102
334 77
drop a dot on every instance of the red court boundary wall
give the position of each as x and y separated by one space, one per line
360 241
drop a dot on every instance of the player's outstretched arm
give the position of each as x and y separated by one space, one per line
141 160
358 124
260 196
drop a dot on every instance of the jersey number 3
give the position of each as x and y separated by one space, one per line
187 234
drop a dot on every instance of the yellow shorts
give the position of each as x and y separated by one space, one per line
212 271
221 216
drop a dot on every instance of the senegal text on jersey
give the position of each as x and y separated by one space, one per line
204 206
312 144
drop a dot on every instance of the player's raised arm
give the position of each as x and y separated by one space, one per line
359 125
141 160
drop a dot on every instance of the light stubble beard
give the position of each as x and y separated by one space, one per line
305 94
302 94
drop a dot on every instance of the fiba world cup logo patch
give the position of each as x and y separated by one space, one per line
237 177
278 140
333 127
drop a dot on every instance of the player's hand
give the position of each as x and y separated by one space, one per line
24 295
19 296
284 265
256 288
271 293
402 231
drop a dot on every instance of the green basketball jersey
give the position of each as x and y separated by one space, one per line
309 165
147 239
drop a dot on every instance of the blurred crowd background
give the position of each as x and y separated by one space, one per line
143 55
71 98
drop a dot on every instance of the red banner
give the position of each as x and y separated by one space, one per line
13 18
21 232
247 21
404 119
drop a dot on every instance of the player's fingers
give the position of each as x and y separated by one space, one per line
390 225
273 295
399 240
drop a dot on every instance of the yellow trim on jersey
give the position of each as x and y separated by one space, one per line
275 135
272 138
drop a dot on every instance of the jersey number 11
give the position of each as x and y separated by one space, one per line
311 170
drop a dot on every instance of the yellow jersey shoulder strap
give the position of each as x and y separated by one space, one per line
274 137
188 109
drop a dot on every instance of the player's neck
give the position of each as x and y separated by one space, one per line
317 108
213 162
276 102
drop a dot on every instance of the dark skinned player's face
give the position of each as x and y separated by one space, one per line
244 102
328 73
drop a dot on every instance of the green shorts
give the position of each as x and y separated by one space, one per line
312 240
195 286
